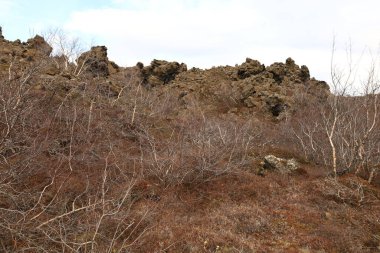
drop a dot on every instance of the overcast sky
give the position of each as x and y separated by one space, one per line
206 33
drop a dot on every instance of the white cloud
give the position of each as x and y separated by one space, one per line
6 7
118 1
209 32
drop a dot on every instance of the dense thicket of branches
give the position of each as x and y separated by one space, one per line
72 159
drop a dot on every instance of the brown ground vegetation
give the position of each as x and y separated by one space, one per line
101 158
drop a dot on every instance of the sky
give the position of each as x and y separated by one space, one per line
206 33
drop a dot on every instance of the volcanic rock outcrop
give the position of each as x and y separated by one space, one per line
250 87
249 68
34 49
96 62
160 72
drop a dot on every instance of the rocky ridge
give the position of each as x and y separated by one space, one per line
249 87
244 88
23 53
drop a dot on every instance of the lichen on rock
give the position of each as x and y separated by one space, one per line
282 165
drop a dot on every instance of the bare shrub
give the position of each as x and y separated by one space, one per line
343 133
66 50
65 186
196 149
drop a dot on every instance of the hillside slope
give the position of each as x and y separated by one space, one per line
95 157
